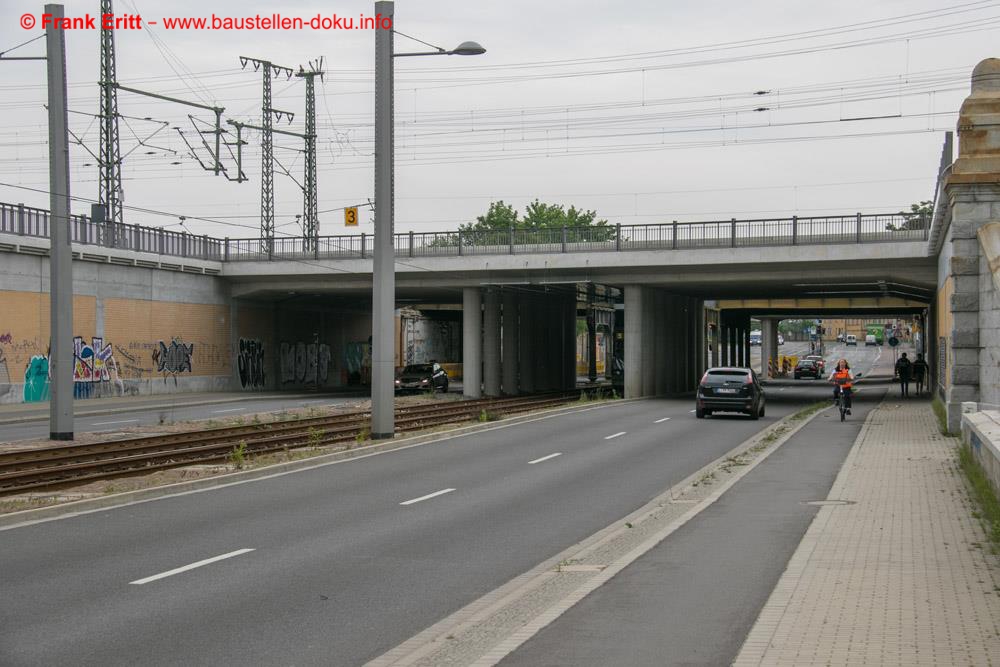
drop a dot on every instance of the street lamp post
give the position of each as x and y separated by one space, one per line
383 269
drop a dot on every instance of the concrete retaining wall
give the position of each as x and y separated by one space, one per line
137 330
981 432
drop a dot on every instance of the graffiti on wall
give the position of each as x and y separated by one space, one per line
427 339
36 379
250 362
95 370
304 363
173 359
4 375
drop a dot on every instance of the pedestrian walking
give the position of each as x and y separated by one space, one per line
920 370
904 371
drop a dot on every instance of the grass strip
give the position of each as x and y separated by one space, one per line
984 496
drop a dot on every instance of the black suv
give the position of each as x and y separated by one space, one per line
730 390
422 377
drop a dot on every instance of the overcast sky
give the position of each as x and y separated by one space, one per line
646 112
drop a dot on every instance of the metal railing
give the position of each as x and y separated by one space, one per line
28 221
733 233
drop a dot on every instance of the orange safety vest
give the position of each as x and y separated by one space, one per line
842 378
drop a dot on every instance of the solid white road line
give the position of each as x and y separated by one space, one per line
229 410
207 561
660 421
615 435
692 411
544 458
123 421
427 497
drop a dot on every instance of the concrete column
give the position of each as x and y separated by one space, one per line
738 344
472 342
679 325
527 344
570 338
701 325
635 297
746 342
541 342
663 363
768 344
491 342
510 351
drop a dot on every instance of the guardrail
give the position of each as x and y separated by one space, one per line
859 228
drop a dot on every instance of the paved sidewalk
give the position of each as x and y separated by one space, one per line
898 577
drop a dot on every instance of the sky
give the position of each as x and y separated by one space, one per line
645 112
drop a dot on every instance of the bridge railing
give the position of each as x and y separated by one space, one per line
858 228
28 221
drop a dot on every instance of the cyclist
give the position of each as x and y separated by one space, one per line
843 381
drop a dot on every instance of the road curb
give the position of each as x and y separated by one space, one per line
85 506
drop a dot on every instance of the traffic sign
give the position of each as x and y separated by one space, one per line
893 342
351 216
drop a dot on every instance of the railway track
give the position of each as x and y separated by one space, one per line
53 467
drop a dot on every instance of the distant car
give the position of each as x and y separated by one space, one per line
755 338
781 339
422 377
730 389
870 340
840 338
820 363
851 340
806 368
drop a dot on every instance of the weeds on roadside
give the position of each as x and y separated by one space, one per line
984 496
315 437
942 416
363 435
238 456
487 416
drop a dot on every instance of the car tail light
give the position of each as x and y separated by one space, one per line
749 379
704 379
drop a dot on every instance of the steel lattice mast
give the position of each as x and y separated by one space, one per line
109 162
267 150
310 217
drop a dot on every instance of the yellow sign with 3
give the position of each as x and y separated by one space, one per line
351 216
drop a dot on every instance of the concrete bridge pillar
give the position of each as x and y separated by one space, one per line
569 338
638 343
768 344
491 342
472 342
543 339
510 346
967 331
527 343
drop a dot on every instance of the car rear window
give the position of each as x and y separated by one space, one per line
725 375
418 368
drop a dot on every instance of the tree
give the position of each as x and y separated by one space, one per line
918 217
580 225
542 223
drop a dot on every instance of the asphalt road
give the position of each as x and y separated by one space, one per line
692 599
341 570
338 564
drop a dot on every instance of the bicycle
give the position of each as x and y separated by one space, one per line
844 406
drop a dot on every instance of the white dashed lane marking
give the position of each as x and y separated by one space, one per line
615 435
544 458
185 568
427 497
660 421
